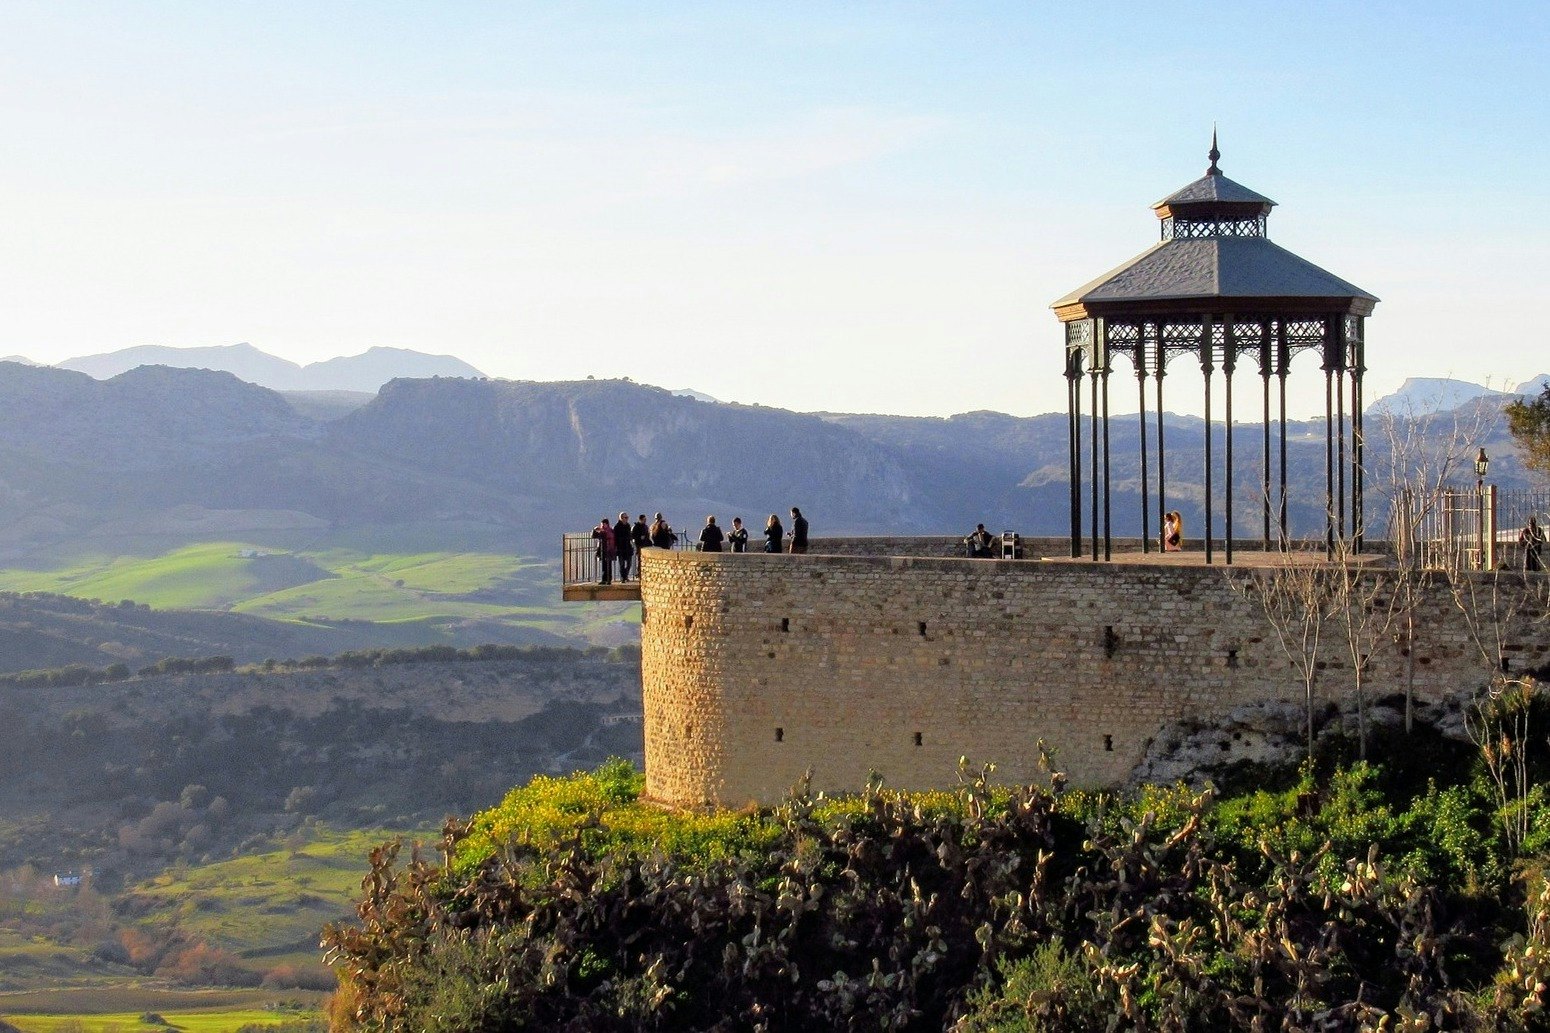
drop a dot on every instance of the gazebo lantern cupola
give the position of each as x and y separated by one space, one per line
1215 287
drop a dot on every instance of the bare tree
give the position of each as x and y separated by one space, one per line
1363 606
1498 609
1421 450
1294 595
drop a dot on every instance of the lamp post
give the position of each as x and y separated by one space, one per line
1482 463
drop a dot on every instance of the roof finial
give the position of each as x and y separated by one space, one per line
1214 154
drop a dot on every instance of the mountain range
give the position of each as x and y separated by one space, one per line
365 372
177 455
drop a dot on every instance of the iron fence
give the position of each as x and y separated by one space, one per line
1474 528
579 561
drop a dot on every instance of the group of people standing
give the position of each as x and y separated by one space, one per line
619 542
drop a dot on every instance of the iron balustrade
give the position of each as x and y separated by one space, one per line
579 563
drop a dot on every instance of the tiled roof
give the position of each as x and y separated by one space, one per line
1214 267
1213 186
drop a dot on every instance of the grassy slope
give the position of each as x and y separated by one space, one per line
268 905
118 1010
332 581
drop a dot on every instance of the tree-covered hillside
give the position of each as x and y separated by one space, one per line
1335 898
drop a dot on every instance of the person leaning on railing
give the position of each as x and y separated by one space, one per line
662 535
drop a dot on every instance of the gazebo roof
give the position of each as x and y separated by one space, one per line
1215 267
1213 186
1223 258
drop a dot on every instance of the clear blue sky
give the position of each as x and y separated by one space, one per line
860 207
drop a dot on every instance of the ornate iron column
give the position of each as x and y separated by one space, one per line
1108 540
1283 361
1162 452
1074 428
1329 459
1146 521
1093 376
1229 363
1357 364
1207 367
1264 376
1336 328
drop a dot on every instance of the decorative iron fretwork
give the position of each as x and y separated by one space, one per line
1177 228
1305 333
1180 337
1353 328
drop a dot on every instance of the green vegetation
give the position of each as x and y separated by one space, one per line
1529 424
1360 897
326 582
135 1010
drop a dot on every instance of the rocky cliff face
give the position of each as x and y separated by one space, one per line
615 444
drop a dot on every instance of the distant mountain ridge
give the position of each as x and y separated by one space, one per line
367 371
1440 394
460 464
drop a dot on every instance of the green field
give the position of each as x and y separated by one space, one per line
119 1010
329 581
268 908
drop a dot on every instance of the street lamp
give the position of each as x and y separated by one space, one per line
1482 464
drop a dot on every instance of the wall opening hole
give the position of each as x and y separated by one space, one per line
1110 641
785 624
1108 743
922 629
780 735
917 738
1232 658
1506 665
688 621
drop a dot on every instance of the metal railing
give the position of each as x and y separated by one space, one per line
579 562
1468 528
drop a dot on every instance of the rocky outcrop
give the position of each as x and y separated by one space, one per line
1270 736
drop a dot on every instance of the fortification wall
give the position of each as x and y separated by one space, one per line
757 667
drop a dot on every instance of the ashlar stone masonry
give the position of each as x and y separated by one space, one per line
758 668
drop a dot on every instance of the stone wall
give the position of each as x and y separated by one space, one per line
757 668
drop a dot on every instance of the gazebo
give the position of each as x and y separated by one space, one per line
1214 287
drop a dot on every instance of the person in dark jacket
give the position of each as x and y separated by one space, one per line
738 536
711 537
798 531
662 536
603 534
773 533
641 532
624 545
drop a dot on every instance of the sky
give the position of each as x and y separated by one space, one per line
862 207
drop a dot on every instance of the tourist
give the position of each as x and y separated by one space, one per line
624 546
1532 538
711 537
798 531
981 543
662 536
603 534
738 536
1173 532
773 534
641 533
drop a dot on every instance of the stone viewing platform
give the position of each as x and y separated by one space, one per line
581 571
